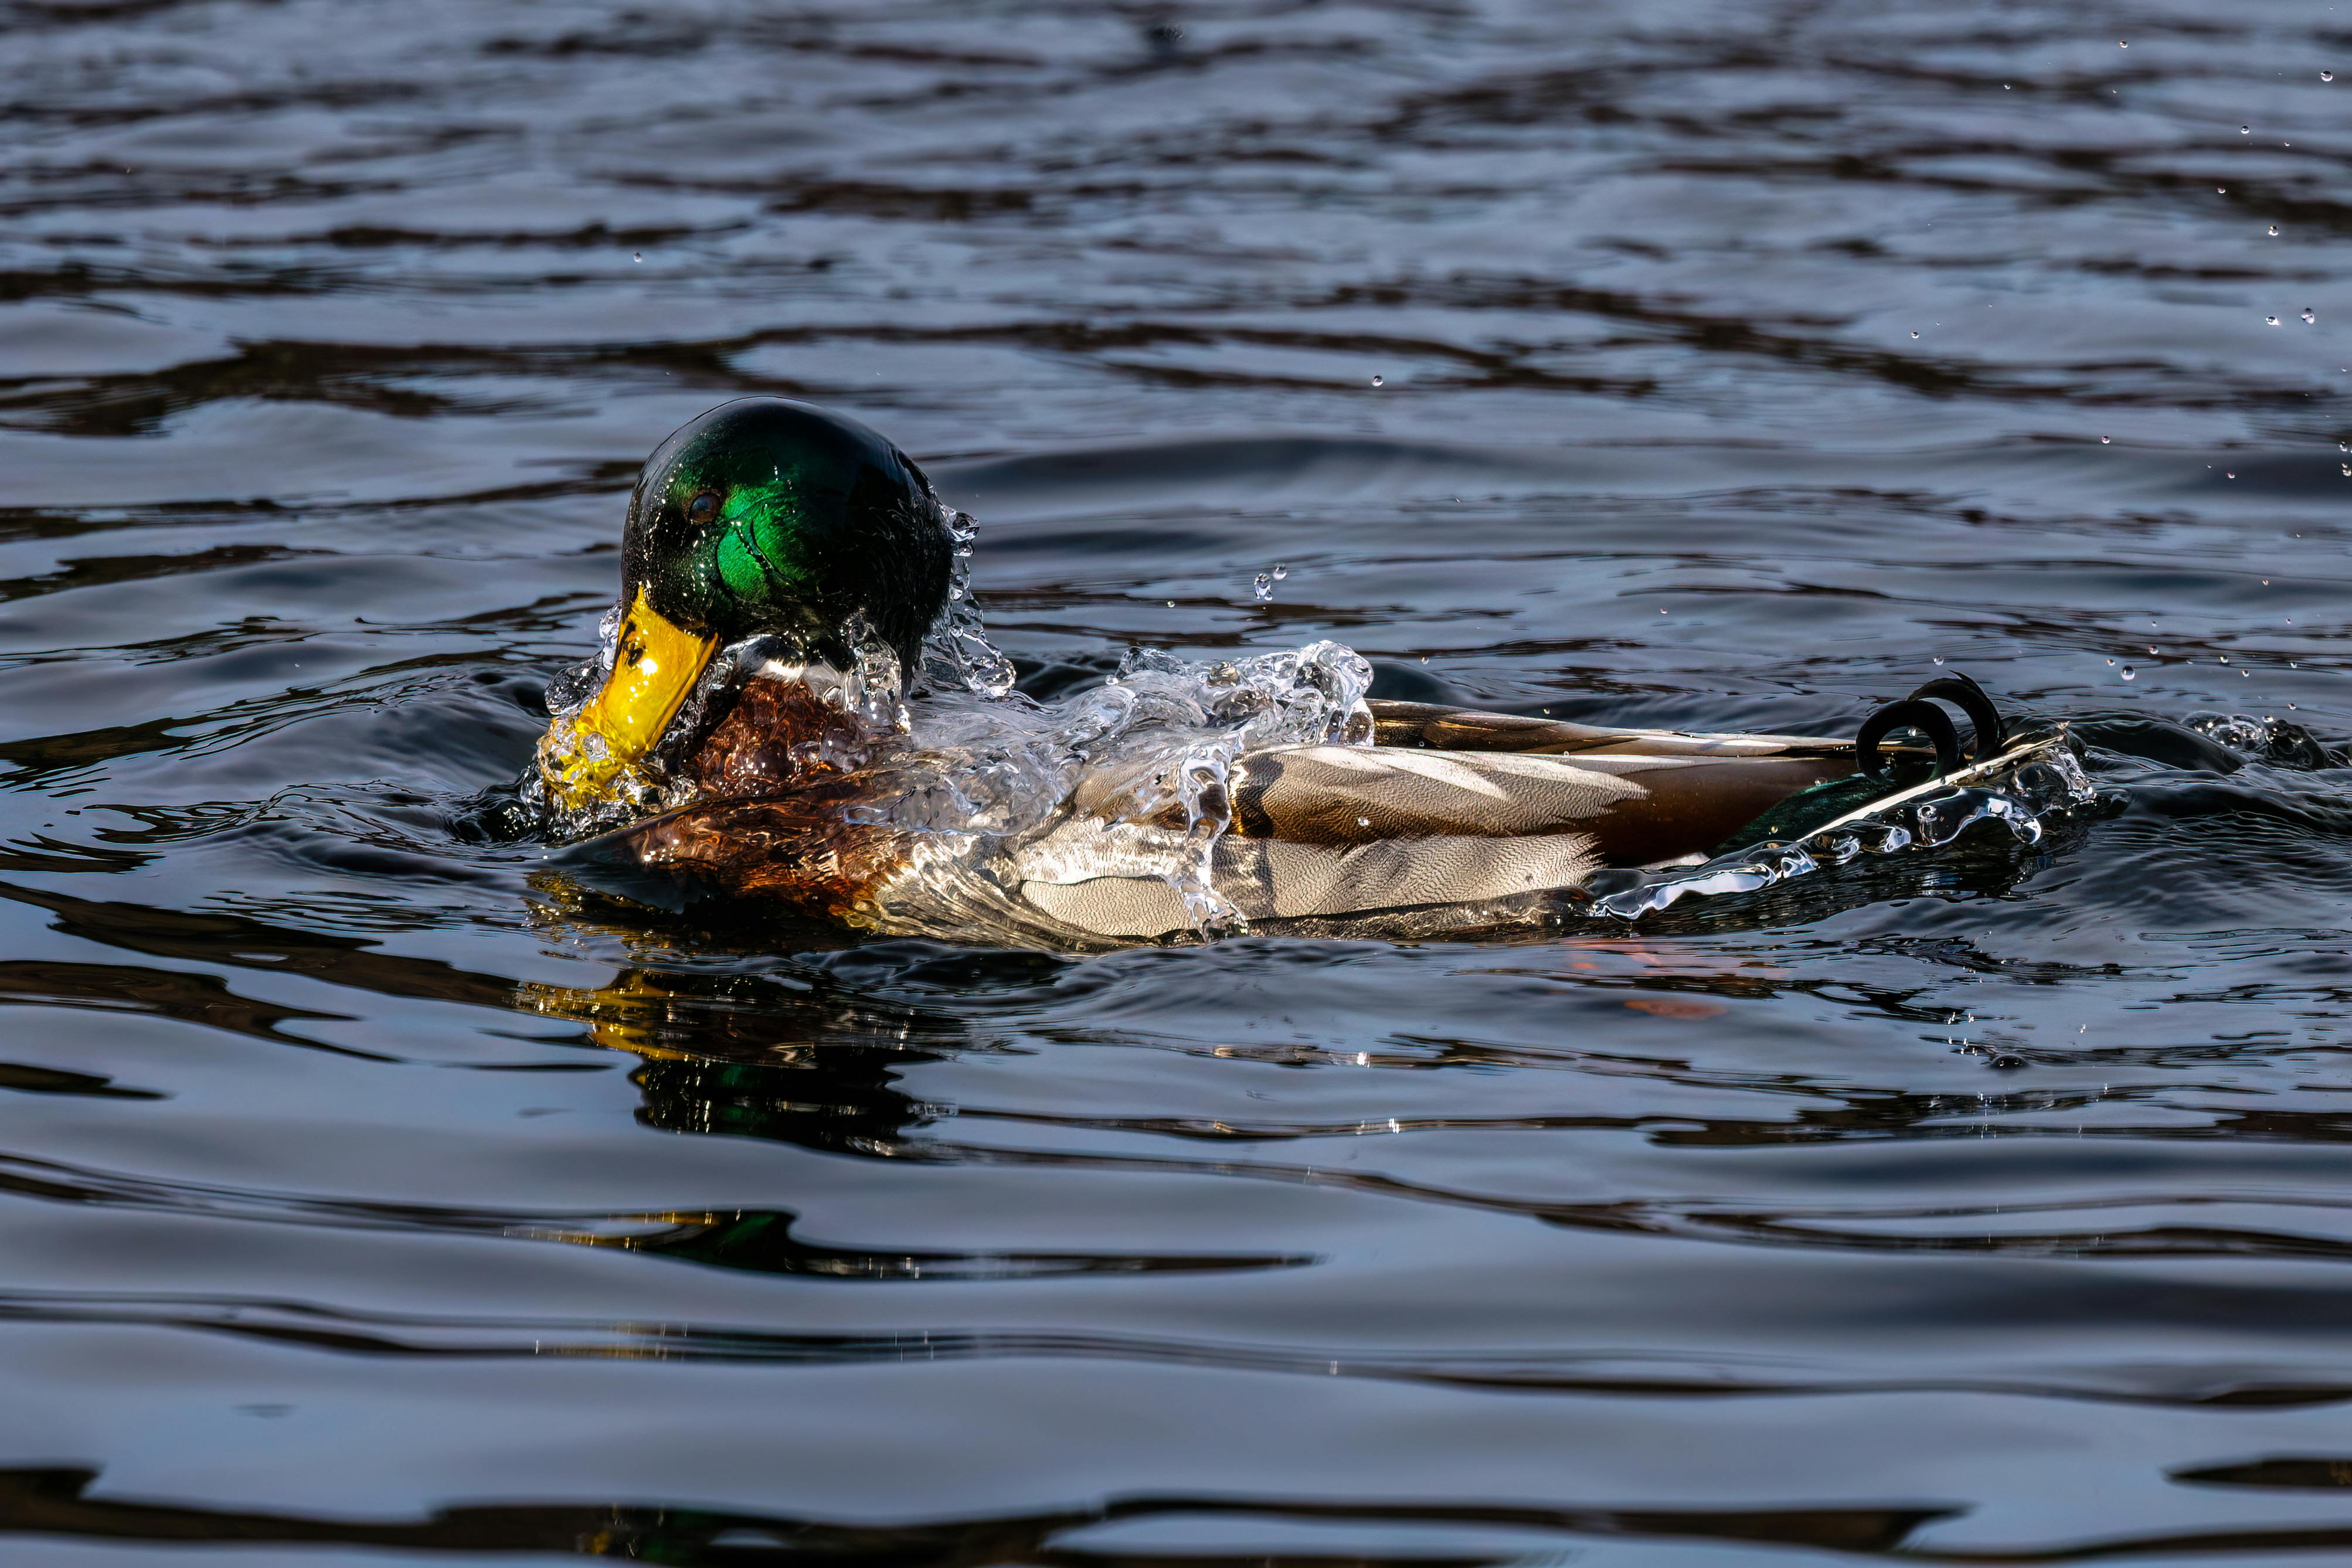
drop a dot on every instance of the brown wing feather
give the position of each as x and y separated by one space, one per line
1437 728
1635 808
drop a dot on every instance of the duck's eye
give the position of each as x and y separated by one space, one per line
703 507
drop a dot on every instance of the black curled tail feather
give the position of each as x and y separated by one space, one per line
1918 711
1968 696
1912 713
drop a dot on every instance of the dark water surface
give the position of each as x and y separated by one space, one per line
367 1195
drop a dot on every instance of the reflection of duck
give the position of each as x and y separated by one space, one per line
738 1054
771 518
817 1063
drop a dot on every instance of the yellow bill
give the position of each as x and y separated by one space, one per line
655 667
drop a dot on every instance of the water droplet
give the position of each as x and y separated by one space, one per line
2229 474
2246 130
1939 658
637 256
2104 440
2129 673
1280 572
2221 190
2121 44
1915 334
2274 231
2151 652
1377 382
2270 321
2310 317
2225 658
1363 822
1262 586
2111 664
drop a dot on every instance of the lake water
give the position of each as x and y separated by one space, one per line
369 1195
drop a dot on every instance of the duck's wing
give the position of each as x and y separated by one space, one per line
1644 796
1631 807
1111 880
1335 832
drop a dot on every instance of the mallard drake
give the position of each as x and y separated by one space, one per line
786 573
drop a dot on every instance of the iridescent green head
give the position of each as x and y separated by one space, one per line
762 517
769 515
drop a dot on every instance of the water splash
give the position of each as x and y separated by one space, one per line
2262 738
958 655
1129 779
2024 793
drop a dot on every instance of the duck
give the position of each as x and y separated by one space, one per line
787 571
